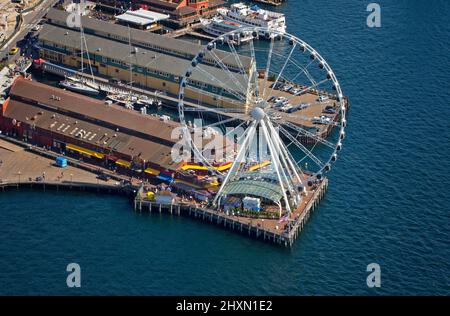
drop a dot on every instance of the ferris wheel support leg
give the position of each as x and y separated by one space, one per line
277 154
236 163
276 142
273 152
285 153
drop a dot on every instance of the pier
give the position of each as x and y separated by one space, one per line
266 230
25 166
271 2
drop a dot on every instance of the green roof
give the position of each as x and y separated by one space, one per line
270 191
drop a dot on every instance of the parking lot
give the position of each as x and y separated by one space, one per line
307 109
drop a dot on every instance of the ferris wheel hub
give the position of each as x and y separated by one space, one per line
257 113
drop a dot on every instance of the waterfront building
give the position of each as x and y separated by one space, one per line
96 132
148 40
182 12
157 62
87 128
142 19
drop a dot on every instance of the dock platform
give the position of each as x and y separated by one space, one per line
267 230
22 165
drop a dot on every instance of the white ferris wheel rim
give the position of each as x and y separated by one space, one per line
326 166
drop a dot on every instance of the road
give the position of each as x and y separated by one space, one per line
30 19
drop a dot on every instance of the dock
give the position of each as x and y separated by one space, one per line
22 166
266 230
270 2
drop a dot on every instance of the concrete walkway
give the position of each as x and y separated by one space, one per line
18 165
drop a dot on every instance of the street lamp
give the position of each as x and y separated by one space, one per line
19 173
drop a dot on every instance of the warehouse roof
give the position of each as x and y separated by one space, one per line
141 17
182 48
76 130
90 108
43 105
142 58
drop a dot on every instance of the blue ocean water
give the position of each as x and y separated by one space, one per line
387 201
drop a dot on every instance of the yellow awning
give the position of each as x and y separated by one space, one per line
85 151
123 163
152 171
259 166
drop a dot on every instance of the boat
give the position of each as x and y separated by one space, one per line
91 84
217 26
80 84
254 16
78 87
46 66
123 99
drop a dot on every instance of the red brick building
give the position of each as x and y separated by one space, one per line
182 12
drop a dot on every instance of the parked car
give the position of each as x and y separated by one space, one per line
276 86
286 88
292 109
329 110
302 106
321 120
287 107
322 98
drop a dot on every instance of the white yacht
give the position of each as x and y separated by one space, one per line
78 83
78 87
217 26
254 16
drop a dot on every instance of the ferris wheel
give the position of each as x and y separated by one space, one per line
274 106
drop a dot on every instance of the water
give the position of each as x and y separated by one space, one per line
386 203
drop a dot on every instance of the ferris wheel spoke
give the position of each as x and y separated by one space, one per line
217 110
236 129
237 94
304 132
255 74
284 153
282 70
229 73
266 74
304 71
237 59
300 146
315 121
221 122
277 166
304 90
